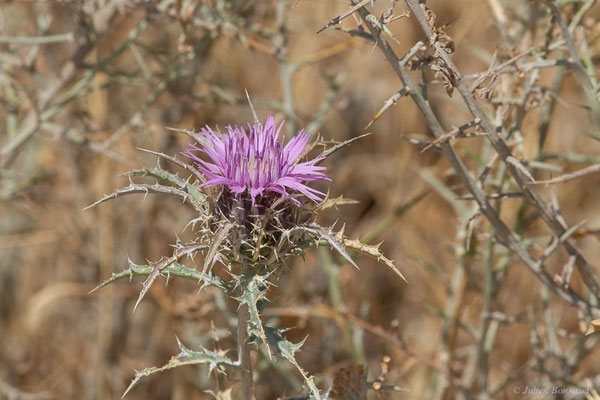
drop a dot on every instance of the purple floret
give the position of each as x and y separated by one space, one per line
257 163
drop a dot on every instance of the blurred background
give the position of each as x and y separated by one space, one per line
84 84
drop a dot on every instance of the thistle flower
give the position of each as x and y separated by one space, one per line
257 163
251 225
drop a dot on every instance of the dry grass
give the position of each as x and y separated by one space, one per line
143 67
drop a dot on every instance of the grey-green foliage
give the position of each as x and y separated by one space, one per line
216 361
172 270
251 246
254 296
288 350
213 246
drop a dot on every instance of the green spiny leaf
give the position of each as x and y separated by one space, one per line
171 178
215 360
174 269
142 188
255 292
159 173
288 349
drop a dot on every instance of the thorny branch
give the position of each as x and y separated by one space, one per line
506 236
517 170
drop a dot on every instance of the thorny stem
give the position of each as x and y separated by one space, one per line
505 235
243 348
518 172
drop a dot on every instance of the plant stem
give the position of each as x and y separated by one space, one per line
244 353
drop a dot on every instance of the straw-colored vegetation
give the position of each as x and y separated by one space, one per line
480 177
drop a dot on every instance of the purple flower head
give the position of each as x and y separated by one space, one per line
257 163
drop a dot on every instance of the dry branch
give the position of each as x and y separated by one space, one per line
506 236
517 170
